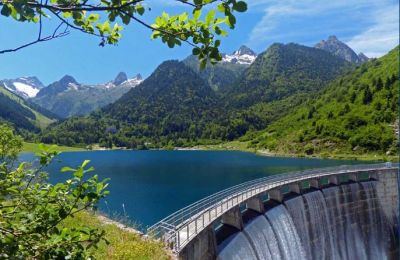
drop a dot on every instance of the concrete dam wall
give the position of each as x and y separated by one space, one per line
340 222
345 213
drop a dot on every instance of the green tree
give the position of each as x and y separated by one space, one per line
367 98
10 145
379 84
32 211
104 19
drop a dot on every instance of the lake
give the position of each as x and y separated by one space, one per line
154 184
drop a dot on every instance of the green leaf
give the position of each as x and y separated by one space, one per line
231 21
196 14
67 169
85 162
196 51
221 8
78 173
210 17
93 18
66 14
6 11
140 9
240 6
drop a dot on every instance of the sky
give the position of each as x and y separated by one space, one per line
368 26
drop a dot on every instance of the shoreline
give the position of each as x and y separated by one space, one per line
240 148
124 227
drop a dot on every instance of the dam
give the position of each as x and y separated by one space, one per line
347 212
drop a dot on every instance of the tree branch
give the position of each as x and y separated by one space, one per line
71 7
55 35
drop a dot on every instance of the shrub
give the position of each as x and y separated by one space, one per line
32 211
309 149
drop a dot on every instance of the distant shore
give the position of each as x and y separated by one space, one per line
231 146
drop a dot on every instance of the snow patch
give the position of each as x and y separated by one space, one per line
240 59
132 82
72 86
7 87
26 89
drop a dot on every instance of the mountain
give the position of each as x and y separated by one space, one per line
220 76
362 57
225 73
120 78
173 89
176 105
355 114
283 70
67 97
170 104
25 87
22 114
244 55
340 49
66 83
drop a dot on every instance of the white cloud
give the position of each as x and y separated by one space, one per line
370 26
382 36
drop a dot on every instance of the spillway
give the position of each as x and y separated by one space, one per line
339 222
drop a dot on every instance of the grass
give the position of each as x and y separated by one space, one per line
33 148
123 244
41 120
243 146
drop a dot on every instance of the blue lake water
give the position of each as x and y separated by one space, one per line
154 184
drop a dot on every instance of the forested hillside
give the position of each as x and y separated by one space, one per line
172 103
220 76
21 114
176 106
284 70
356 114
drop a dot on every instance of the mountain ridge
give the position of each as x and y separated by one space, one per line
355 114
340 49
66 97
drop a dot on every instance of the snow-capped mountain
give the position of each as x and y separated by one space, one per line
133 82
244 55
122 80
25 87
67 97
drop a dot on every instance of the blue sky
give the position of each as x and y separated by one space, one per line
369 26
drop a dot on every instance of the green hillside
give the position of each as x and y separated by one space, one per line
356 114
176 106
220 76
23 114
283 70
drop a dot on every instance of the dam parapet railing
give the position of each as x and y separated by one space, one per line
179 228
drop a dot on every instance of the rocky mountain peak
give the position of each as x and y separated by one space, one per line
67 79
138 76
244 50
332 38
120 78
244 55
362 57
25 87
340 49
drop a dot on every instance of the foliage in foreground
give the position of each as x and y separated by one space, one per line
202 31
32 211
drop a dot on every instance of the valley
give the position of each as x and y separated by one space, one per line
322 101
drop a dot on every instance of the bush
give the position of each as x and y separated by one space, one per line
309 149
32 211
